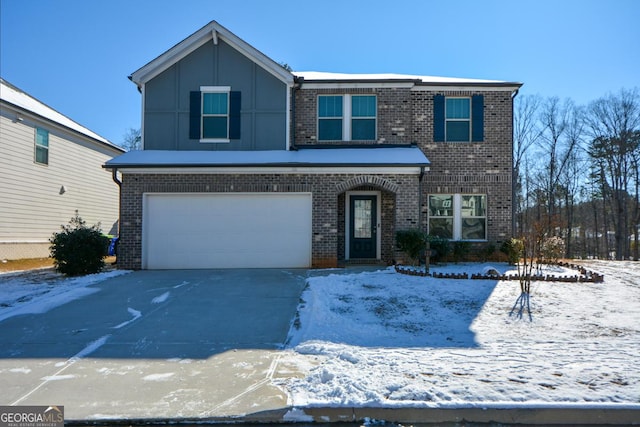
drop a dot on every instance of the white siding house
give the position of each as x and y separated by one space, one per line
50 166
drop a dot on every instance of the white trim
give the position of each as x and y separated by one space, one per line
359 85
252 170
347 219
215 32
215 89
347 116
442 88
143 91
287 131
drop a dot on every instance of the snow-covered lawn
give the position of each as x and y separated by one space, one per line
391 340
38 291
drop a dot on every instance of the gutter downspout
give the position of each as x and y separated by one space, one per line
297 83
420 177
514 178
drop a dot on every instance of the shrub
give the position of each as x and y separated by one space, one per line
411 242
78 249
440 245
552 249
460 250
487 251
513 249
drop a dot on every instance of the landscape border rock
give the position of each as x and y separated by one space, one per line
585 276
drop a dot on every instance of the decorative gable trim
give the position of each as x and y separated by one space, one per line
215 32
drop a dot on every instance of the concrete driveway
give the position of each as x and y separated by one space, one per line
194 344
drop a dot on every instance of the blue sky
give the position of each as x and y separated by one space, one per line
75 55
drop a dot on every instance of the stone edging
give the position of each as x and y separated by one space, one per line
586 276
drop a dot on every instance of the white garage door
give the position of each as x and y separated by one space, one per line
226 230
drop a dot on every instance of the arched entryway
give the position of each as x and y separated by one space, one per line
366 221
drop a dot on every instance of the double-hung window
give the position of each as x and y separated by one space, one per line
214 114
347 117
41 153
458 119
458 216
330 118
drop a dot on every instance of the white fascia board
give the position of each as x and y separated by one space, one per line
288 170
454 88
196 40
357 85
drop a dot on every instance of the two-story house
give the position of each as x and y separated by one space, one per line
50 167
245 164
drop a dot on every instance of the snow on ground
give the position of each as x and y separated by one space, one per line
39 291
390 340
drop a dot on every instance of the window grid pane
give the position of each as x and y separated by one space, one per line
214 127
330 106
215 103
363 106
458 131
363 129
441 205
330 130
458 108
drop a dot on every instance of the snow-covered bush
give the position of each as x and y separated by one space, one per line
79 249
552 249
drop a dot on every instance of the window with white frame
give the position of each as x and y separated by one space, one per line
347 117
458 216
41 151
215 113
458 119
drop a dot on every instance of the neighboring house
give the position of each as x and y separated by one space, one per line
245 164
50 167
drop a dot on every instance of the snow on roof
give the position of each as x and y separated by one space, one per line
319 75
378 156
11 94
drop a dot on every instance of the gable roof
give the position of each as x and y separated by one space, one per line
212 31
22 100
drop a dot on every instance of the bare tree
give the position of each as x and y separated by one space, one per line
614 125
526 131
132 139
557 147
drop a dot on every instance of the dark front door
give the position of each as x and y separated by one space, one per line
363 227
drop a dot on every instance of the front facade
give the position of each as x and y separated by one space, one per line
51 166
248 165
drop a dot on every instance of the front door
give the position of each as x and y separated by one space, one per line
363 227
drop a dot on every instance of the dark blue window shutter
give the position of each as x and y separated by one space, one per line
477 118
235 105
195 106
438 118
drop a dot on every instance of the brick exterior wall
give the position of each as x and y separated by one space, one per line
393 121
400 207
405 116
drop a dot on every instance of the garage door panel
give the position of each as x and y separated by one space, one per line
238 230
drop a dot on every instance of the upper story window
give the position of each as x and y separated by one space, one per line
41 152
458 216
214 114
347 117
458 119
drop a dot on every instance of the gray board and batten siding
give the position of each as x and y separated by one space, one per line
263 118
